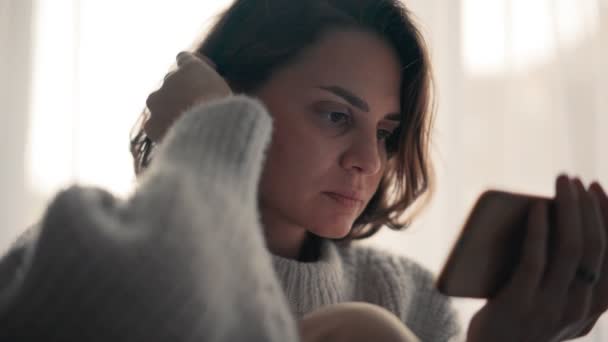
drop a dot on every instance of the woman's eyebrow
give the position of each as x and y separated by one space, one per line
355 100
348 96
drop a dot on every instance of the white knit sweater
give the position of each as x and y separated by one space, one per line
357 273
184 259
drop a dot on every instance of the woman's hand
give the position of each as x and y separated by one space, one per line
194 81
560 296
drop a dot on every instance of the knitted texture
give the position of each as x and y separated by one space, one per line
184 258
362 273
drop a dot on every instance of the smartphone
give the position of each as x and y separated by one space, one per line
489 246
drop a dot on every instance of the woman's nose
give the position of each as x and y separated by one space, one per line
363 155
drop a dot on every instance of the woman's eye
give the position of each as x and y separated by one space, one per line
337 117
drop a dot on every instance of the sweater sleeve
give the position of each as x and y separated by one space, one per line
182 259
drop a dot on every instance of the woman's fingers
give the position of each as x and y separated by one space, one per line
600 300
581 292
545 297
528 276
185 57
588 326
169 74
561 264
601 196
568 241
596 220
194 81
201 73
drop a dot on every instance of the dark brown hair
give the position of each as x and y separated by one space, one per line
253 38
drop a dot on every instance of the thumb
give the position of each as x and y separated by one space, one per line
528 274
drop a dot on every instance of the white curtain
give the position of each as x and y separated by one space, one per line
520 85
15 66
521 98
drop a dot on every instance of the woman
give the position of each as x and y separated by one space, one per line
334 147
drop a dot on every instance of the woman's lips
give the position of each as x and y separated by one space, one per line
344 201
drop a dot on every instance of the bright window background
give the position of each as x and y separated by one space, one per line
505 35
95 62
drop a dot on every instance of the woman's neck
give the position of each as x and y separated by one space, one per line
286 239
311 248
292 243
282 239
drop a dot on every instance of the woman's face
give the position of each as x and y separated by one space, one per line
333 109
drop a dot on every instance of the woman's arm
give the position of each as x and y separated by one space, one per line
182 259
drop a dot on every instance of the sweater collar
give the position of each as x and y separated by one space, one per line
310 285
